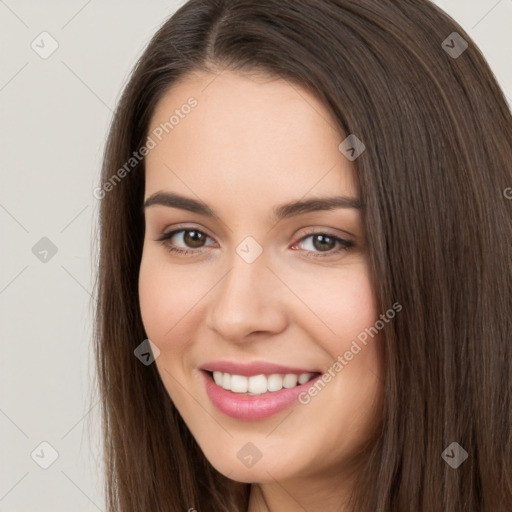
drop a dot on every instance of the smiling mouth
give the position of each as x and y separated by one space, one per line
261 384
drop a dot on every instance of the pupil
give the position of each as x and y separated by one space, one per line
193 238
321 239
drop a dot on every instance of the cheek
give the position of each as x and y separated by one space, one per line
171 299
162 297
341 305
356 309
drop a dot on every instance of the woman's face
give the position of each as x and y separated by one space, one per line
260 289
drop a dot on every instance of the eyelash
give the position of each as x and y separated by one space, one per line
345 244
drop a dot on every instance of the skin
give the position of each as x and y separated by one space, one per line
252 143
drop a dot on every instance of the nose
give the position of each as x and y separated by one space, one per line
248 300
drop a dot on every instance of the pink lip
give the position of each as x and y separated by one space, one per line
247 407
255 368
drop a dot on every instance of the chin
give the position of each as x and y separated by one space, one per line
263 470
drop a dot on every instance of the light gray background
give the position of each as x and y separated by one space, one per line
54 116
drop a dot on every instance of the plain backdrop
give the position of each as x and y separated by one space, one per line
54 116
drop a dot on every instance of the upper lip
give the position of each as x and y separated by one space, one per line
254 368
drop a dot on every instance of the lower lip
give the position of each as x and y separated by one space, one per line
253 407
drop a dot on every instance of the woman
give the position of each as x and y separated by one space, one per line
304 287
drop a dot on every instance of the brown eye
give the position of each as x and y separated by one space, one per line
184 241
319 245
323 242
193 238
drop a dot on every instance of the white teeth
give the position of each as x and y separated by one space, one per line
304 377
290 380
218 378
259 384
274 382
239 383
226 381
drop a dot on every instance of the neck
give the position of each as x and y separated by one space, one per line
311 496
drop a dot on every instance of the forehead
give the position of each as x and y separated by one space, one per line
247 138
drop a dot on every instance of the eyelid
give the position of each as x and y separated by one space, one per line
184 227
343 244
335 233
309 231
167 235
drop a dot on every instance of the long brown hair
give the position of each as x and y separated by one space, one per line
438 160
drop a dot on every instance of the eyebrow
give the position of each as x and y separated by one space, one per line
173 200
